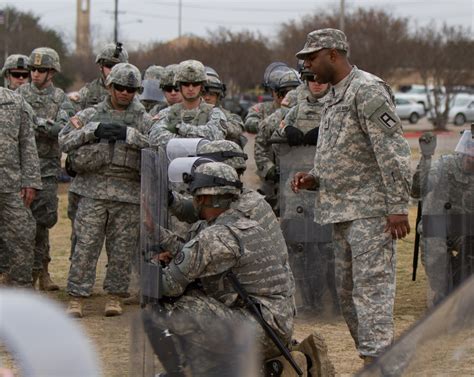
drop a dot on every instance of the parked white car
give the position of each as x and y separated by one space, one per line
409 110
462 109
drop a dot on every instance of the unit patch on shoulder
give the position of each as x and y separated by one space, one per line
76 122
179 258
388 120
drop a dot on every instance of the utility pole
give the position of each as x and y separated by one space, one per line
83 38
180 14
342 16
116 22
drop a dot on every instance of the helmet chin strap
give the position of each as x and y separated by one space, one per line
42 85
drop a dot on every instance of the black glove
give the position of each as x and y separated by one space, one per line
111 131
294 136
311 137
273 175
170 197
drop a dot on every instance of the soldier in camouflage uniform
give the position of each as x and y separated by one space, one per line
214 91
19 179
265 156
104 144
52 109
257 113
192 117
446 188
95 91
91 94
362 170
228 241
15 71
170 90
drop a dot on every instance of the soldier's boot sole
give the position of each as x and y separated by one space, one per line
113 307
75 308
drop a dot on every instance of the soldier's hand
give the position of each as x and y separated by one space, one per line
303 181
111 131
273 175
295 136
311 137
427 143
398 226
27 194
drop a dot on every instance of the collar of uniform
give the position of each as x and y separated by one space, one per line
42 92
337 91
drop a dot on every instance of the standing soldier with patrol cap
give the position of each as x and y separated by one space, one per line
362 171
52 109
95 91
19 179
193 117
104 143
15 71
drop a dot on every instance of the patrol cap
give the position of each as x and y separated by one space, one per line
323 38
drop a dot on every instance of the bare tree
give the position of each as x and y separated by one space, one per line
443 58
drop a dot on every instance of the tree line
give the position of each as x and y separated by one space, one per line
380 43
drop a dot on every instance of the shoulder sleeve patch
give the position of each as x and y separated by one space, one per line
386 118
76 122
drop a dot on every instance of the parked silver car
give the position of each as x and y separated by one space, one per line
409 110
462 109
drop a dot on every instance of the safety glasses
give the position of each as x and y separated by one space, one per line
186 84
121 88
18 75
169 89
40 70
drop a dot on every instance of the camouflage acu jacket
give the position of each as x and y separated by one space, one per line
362 159
19 160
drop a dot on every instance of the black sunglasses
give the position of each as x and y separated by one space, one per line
18 75
169 89
40 70
121 88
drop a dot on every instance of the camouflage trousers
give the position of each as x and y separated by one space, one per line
72 204
118 224
17 233
365 260
45 211
209 331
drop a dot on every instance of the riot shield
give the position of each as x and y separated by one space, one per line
448 224
42 339
309 244
153 214
187 147
194 344
151 91
441 344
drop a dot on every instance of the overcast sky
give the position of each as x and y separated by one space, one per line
145 21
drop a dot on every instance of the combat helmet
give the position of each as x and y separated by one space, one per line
272 74
125 74
153 72
167 78
190 71
288 80
214 178
44 57
225 151
15 61
214 83
112 53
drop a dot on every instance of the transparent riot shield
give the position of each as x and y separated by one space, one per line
194 344
151 91
309 244
441 344
42 339
448 224
179 147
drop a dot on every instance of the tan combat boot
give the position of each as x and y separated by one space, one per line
45 282
74 308
113 306
4 278
368 360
